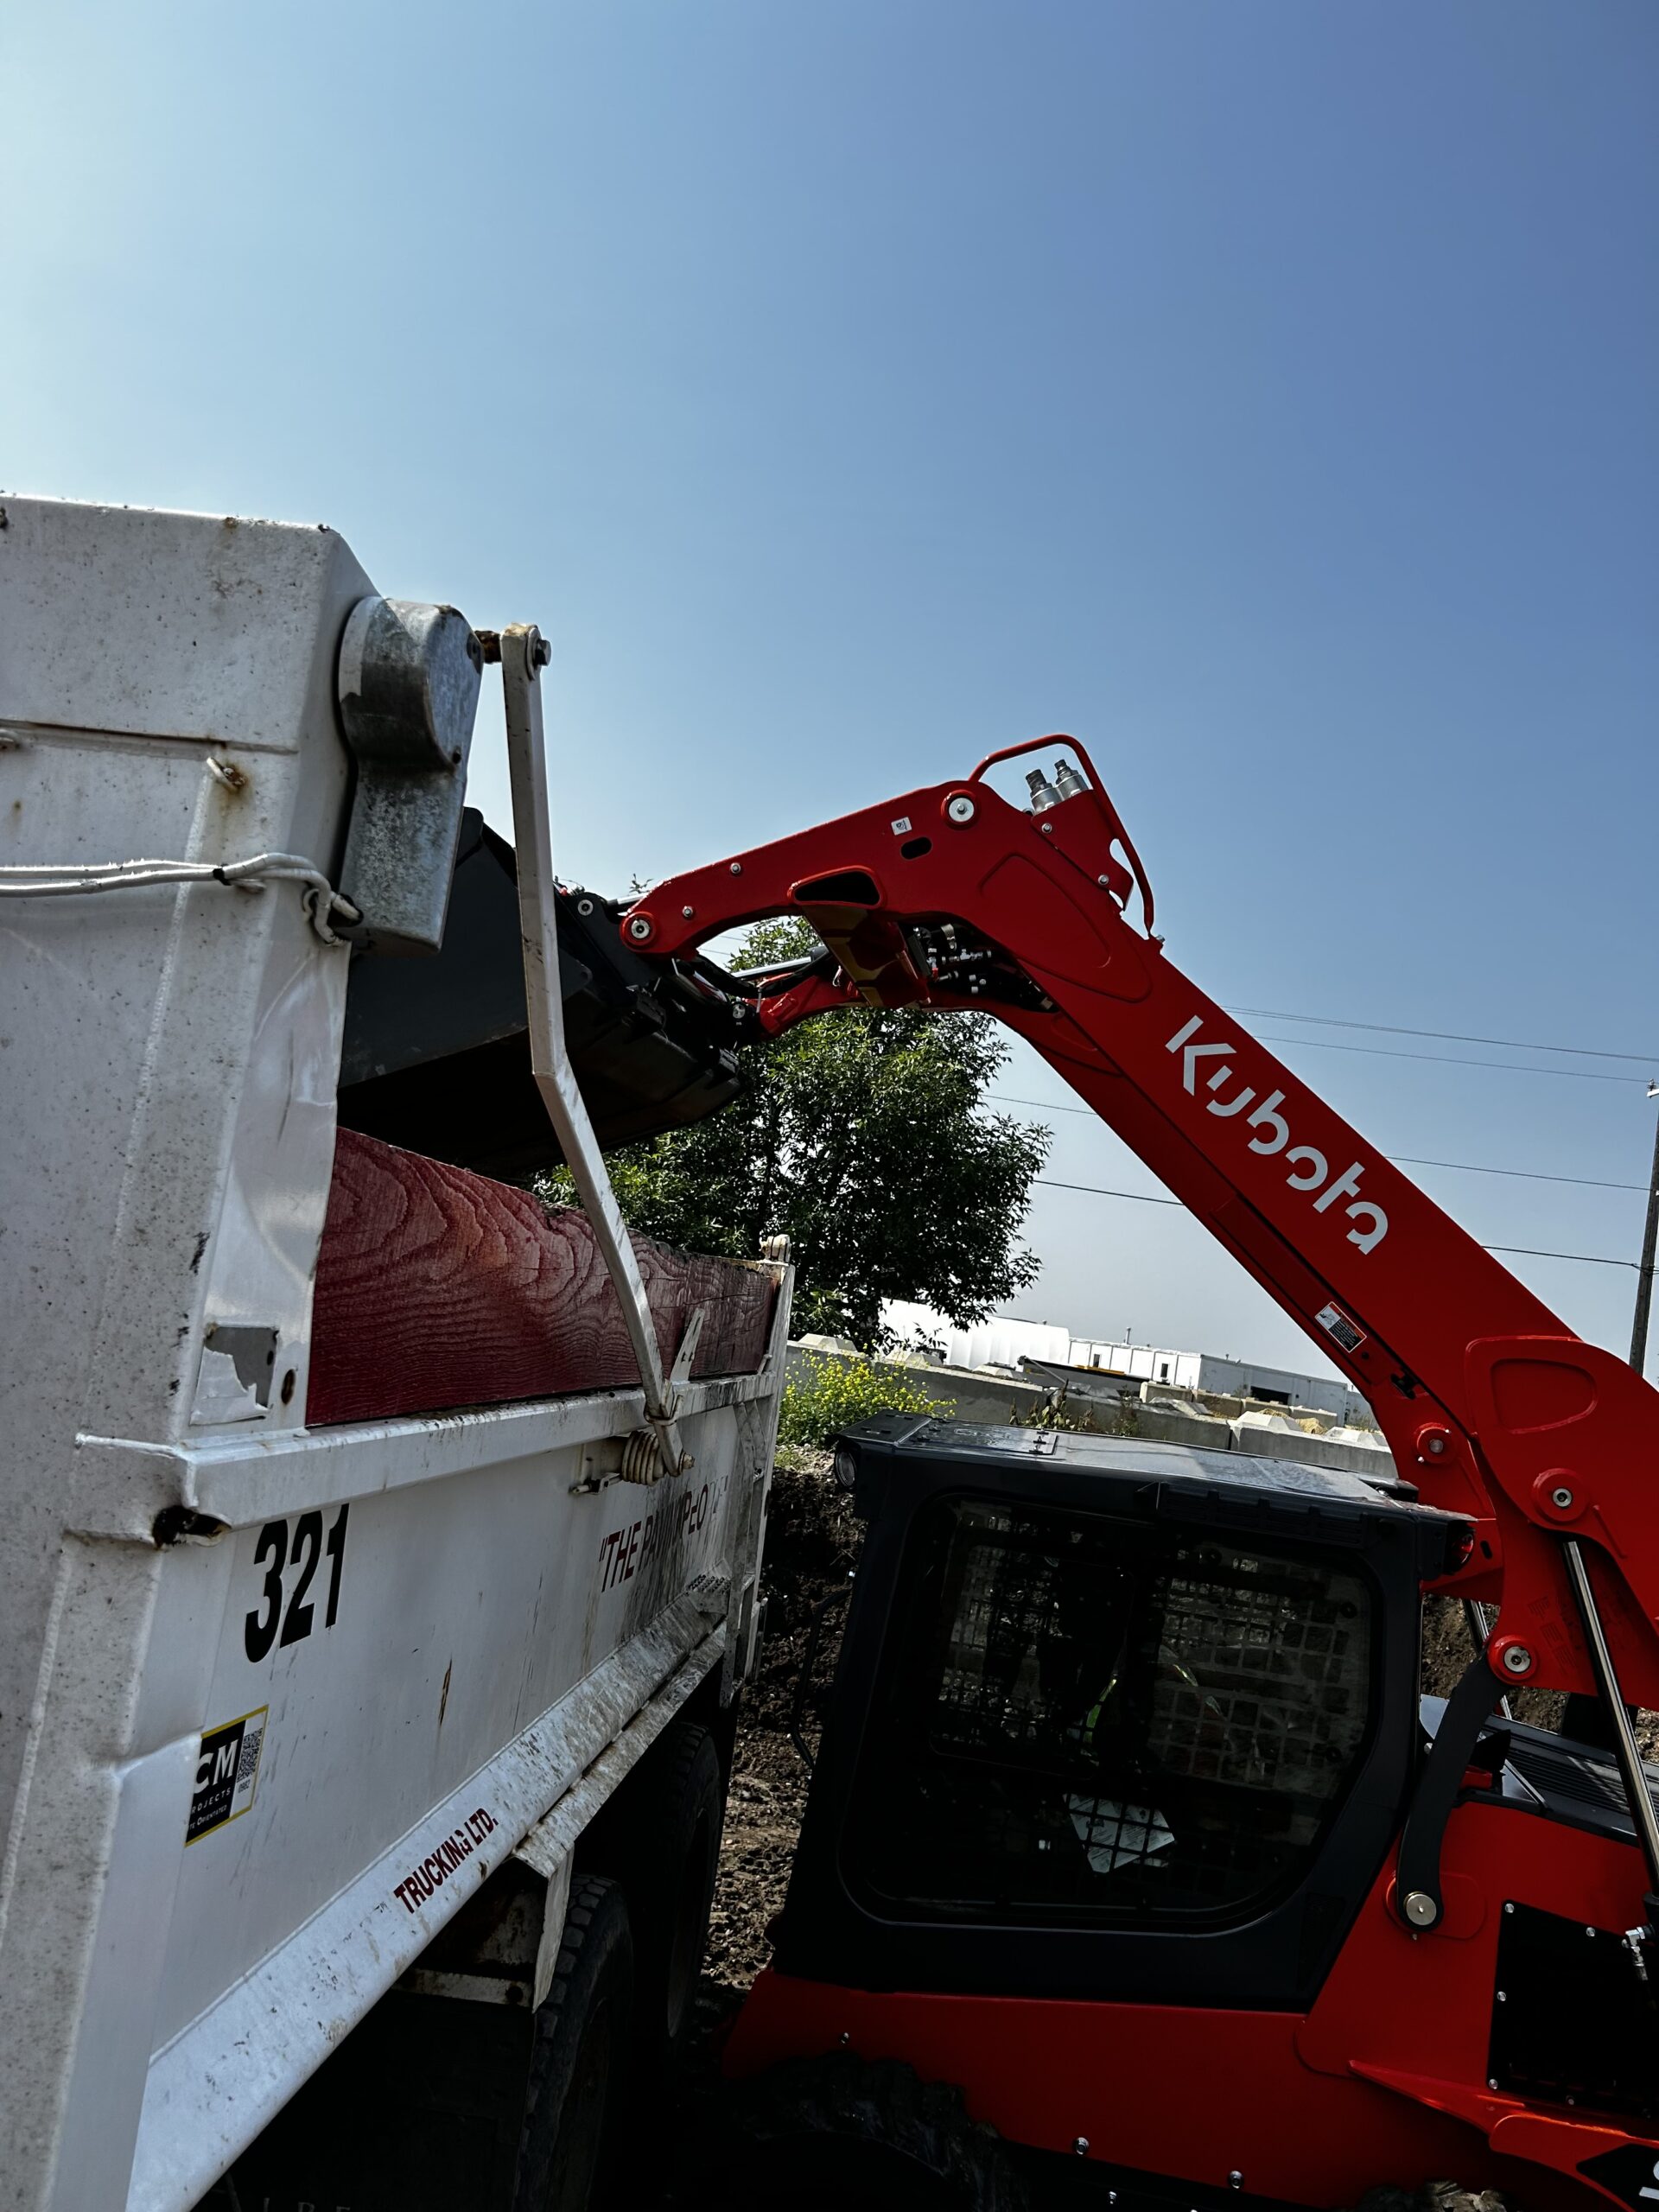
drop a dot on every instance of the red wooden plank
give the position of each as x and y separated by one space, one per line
438 1289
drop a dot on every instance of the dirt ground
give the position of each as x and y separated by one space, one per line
811 1542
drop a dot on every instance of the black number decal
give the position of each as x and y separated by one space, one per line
308 1538
337 1557
305 1555
259 1631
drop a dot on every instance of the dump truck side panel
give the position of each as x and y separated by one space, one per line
273 1701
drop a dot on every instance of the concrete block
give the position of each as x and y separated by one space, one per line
1272 1438
1165 1425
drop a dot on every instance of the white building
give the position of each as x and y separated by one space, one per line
1203 1371
1004 1342
999 1342
1146 1362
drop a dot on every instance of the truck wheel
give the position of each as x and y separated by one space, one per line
578 2061
672 1889
816 2134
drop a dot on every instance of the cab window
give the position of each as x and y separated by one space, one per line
1086 1718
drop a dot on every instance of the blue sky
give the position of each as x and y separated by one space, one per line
1264 393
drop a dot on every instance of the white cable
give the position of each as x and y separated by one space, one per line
319 898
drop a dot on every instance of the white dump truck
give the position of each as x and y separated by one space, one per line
378 1546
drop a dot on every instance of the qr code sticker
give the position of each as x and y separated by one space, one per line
248 1765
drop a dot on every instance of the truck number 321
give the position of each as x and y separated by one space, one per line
274 1552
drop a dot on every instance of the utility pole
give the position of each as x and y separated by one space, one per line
1649 1236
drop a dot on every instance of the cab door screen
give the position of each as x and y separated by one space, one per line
1087 1719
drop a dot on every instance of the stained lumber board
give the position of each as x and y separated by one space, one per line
437 1288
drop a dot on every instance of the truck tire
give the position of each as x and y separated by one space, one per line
671 1878
817 2133
578 2059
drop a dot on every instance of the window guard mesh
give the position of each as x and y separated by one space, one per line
1106 1716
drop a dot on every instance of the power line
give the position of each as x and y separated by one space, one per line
1140 1198
1399 1159
1145 1198
1453 1059
1590 1259
1523 1174
1446 1036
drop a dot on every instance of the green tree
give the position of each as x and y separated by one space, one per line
861 1133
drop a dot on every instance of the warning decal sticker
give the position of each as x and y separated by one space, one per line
227 1768
1339 1328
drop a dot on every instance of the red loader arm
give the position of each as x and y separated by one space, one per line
952 898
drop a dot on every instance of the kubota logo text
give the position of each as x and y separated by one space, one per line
1308 1167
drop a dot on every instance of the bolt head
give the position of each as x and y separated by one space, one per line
686 912
1518 1660
1080 2145
1421 1909
640 928
737 868
1561 1497
960 810
1234 2180
1047 828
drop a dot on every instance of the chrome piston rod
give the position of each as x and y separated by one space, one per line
1624 1743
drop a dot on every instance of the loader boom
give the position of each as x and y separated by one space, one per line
954 898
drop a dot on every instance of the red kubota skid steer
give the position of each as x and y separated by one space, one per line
1132 1869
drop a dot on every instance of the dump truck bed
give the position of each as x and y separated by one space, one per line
325 1591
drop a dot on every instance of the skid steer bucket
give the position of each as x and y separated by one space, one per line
436 1055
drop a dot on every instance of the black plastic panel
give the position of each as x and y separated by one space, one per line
1575 1783
1573 2020
1630 2173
